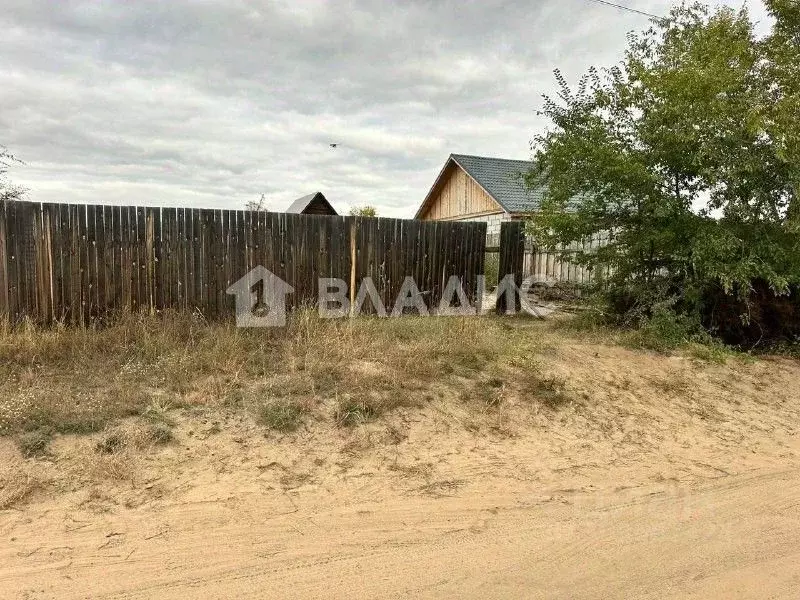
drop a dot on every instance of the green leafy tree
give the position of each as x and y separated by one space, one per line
683 155
781 65
363 211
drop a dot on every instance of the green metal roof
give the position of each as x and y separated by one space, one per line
503 180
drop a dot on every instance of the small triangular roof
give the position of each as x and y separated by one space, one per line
301 204
501 178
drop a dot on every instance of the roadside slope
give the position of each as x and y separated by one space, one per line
653 477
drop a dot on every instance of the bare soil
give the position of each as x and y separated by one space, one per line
642 476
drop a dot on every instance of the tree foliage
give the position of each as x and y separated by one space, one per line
686 154
259 205
363 211
8 191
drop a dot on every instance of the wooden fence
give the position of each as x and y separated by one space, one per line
77 263
555 266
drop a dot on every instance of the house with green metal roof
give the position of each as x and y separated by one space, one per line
480 188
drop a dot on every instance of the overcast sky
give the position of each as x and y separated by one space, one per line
212 103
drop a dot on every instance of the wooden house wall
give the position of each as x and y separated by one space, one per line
459 197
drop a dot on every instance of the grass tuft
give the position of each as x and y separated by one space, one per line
280 415
351 411
111 443
133 436
551 391
34 444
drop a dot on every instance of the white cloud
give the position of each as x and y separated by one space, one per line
213 103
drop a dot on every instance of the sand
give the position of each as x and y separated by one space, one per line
662 477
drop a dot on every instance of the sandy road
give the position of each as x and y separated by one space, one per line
732 537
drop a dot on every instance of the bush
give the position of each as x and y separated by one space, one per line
666 330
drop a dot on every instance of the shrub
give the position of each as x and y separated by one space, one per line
666 330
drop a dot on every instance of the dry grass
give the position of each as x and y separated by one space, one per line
66 380
133 435
366 386
16 484
115 456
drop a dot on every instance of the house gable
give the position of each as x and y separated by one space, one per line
313 204
456 195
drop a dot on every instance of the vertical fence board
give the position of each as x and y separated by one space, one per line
127 256
512 251
158 231
4 312
12 261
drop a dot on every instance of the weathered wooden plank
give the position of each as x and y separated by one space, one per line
128 258
89 254
512 249
145 253
191 247
218 272
197 250
239 254
180 258
26 224
48 263
466 260
97 241
116 265
168 283
37 308
58 261
209 265
78 257
159 279
481 258
100 245
12 261
64 282
109 250
3 263
222 250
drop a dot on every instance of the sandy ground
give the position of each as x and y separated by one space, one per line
663 477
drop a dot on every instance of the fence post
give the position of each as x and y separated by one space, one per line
512 256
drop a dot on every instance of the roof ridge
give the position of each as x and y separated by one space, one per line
454 154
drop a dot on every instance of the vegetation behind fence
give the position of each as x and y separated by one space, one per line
79 262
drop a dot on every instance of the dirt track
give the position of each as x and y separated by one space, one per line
647 491
734 537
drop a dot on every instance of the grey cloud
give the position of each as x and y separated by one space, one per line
215 102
